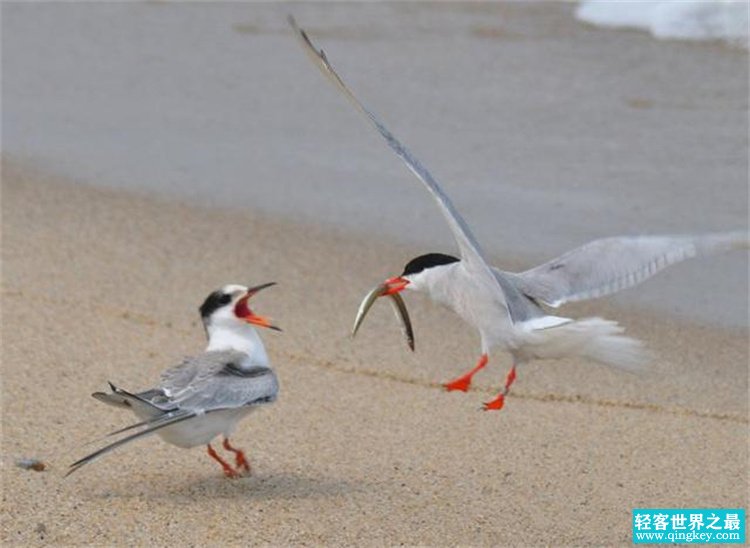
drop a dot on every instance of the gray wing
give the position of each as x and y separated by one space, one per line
219 380
150 427
520 307
609 265
206 383
469 248
153 398
178 378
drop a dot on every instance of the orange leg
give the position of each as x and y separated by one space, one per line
499 401
239 457
228 470
463 382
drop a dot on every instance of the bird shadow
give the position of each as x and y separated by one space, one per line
284 486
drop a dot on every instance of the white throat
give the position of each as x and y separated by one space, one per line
241 337
439 282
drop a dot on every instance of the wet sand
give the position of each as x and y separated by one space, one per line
546 132
363 447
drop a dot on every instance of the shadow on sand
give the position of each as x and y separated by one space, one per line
265 487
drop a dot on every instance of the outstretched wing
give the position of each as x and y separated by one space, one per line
470 251
609 265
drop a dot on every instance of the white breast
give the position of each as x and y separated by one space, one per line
201 430
475 300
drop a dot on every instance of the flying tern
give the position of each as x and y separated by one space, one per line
208 394
506 308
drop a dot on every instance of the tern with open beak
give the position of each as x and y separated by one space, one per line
208 394
506 308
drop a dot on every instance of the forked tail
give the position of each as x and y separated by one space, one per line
592 338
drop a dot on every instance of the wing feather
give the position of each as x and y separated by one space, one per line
471 253
209 382
153 427
218 379
609 265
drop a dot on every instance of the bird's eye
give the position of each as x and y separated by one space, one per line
225 299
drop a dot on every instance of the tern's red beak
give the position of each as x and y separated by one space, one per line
242 310
394 285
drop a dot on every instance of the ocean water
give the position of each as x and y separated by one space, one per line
547 133
726 20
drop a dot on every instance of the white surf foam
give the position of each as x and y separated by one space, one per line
725 20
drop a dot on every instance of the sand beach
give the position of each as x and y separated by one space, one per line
363 445
111 241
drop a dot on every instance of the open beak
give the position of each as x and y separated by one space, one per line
242 310
391 288
253 290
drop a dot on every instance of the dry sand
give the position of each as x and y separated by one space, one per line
363 446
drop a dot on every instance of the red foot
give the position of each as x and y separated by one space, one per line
510 378
463 382
239 456
499 401
228 470
496 404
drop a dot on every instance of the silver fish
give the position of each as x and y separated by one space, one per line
399 307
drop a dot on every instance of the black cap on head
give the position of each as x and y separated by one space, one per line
213 302
423 262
